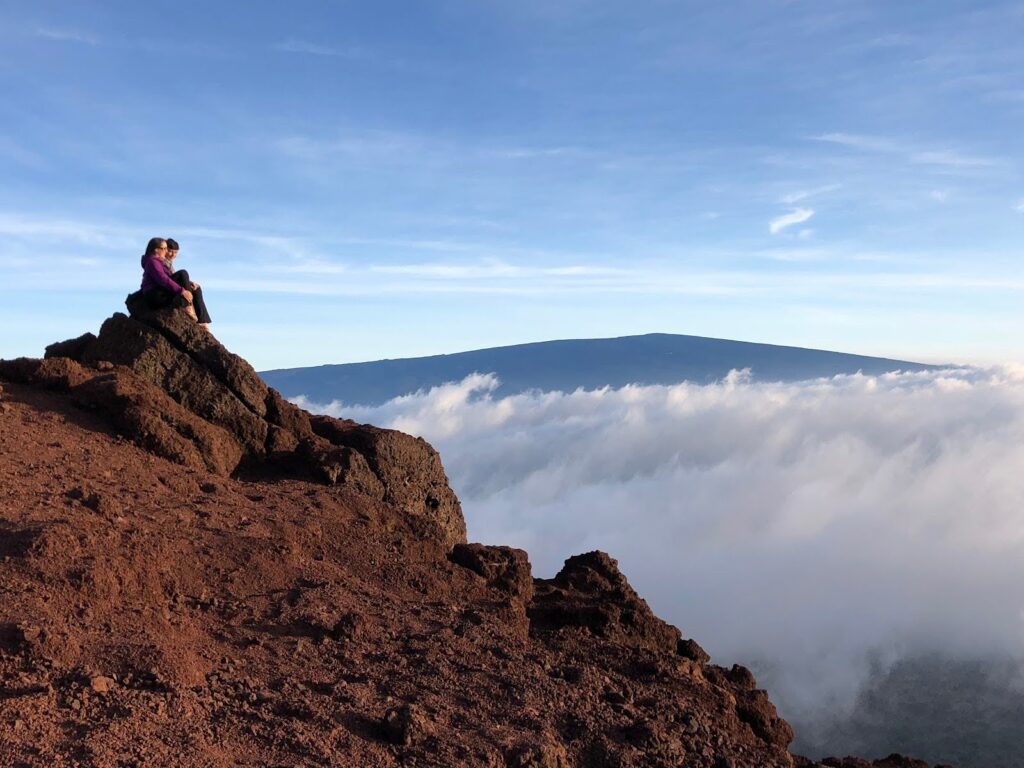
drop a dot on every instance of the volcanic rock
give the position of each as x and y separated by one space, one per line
590 593
503 568
175 390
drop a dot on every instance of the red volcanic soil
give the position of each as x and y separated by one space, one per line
239 584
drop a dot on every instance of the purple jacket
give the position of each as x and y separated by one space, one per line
155 275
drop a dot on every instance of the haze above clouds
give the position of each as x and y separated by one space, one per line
815 530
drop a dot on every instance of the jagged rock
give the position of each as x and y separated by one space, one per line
408 467
591 593
287 416
503 568
753 706
225 414
72 348
137 409
185 374
689 649
341 466
280 442
101 684
158 423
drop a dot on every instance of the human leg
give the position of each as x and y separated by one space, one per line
200 306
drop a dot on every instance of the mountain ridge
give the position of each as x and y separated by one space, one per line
570 364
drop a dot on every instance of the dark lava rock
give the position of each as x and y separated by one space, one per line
689 649
753 706
167 383
408 467
591 593
156 350
72 348
503 568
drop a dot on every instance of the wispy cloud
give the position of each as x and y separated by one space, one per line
317 49
67 35
795 197
859 141
913 154
528 153
1019 207
797 216
951 159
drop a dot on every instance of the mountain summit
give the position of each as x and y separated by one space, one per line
197 573
657 358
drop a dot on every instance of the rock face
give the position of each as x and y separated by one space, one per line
166 383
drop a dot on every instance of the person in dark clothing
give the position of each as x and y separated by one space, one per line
181 278
162 287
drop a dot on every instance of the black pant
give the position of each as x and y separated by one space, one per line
160 298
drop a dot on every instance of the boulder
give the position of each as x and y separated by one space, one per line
408 467
503 568
158 423
72 348
590 593
184 375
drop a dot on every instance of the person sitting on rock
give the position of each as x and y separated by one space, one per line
181 277
162 287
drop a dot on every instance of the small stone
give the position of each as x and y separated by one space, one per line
101 684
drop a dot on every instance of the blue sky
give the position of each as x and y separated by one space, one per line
352 181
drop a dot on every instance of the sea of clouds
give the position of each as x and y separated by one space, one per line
817 531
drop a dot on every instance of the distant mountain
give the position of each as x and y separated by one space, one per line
656 358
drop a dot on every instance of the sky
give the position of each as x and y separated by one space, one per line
355 181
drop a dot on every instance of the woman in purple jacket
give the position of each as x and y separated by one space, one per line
162 287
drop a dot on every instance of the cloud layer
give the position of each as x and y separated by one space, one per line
813 530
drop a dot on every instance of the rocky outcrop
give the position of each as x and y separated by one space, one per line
504 568
753 706
591 594
408 468
169 385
